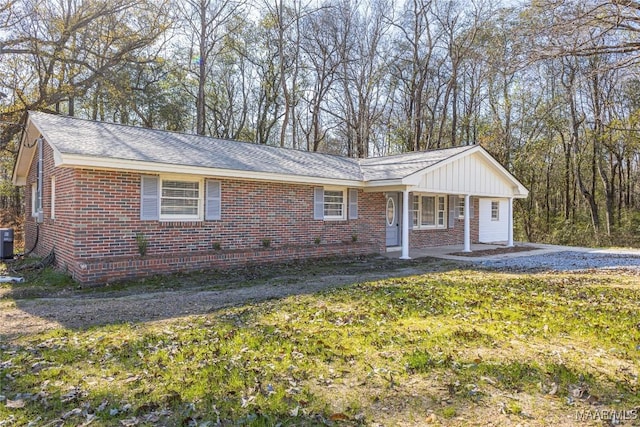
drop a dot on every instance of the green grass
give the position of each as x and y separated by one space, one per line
464 346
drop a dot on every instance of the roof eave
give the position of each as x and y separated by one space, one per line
93 162
25 154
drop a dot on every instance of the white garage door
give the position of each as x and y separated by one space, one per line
493 220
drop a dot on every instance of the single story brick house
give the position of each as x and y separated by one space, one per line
118 202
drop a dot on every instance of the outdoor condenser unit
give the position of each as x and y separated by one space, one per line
6 243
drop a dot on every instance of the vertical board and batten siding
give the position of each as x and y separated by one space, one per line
467 175
493 231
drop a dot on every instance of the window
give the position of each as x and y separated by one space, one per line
180 199
53 197
461 207
495 211
334 204
331 203
429 211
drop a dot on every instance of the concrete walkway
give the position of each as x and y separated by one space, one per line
446 252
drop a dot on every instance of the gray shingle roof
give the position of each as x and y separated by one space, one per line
70 135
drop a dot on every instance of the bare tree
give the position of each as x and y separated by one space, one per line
207 22
65 47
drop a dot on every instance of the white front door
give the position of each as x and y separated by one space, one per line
393 218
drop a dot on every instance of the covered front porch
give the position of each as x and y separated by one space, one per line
451 196
417 220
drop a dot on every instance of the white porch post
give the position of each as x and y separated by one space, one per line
467 224
510 230
405 225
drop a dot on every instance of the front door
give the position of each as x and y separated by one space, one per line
393 219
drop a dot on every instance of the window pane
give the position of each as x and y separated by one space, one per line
180 198
428 210
333 203
441 209
495 211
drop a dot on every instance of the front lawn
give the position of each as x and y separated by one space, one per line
449 348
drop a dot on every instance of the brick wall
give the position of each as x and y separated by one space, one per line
446 236
58 233
98 218
109 212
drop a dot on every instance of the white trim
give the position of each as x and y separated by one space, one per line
467 223
460 214
445 211
405 225
176 217
80 161
344 204
510 224
496 210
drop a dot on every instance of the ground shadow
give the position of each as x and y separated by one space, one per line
27 308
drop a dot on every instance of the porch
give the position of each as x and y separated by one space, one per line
479 251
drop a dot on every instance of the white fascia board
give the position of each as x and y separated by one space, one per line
81 161
25 154
477 194
389 185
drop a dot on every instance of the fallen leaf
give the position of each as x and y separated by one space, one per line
339 417
15 404
71 413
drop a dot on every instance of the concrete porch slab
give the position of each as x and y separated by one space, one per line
447 252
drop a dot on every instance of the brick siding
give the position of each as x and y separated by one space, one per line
446 236
97 218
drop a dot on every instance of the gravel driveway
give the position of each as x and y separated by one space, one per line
566 261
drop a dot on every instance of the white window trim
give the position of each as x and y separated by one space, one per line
174 217
460 207
497 211
53 197
342 217
437 226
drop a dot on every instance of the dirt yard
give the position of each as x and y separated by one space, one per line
27 310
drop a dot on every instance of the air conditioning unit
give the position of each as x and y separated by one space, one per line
6 243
